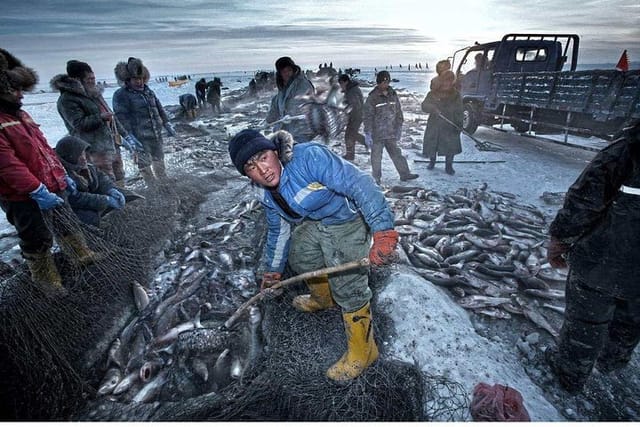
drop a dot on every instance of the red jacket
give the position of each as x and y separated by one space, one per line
26 159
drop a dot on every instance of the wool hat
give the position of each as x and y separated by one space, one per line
14 75
285 61
245 144
382 76
78 69
69 149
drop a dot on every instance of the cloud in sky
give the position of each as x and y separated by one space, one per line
194 36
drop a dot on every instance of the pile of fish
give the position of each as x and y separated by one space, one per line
175 347
484 247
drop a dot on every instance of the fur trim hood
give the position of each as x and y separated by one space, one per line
13 74
62 82
124 71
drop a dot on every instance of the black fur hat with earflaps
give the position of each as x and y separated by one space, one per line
124 71
14 75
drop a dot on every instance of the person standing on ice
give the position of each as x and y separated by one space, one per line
354 100
441 137
441 67
201 93
320 210
32 180
383 128
596 233
292 87
140 112
87 116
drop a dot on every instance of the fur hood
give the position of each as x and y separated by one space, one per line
62 82
13 74
132 68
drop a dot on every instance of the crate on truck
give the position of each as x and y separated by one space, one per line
530 82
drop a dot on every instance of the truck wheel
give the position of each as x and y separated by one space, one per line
469 118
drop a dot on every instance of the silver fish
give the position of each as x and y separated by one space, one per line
462 256
115 353
173 333
200 368
110 381
546 293
480 301
539 320
150 368
126 383
493 312
428 251
222 369
151 389
555 308
140 295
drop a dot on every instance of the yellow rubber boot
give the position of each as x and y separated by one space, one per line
43 269
362 350
318 299
75 246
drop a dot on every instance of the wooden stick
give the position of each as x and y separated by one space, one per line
364 262
460 161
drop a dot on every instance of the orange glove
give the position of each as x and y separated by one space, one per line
269 279
384 247
556 252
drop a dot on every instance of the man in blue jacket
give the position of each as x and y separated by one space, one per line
334 207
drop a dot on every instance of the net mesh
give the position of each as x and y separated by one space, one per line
57 347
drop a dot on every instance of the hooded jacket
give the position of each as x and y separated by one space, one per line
319 186
81 114
383 114
603 222
288 102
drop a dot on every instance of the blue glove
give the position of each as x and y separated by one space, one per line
72 188
368 141
132 144
45 199
115 199
170 129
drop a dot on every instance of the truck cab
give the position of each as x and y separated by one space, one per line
476 66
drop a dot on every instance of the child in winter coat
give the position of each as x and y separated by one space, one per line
94 191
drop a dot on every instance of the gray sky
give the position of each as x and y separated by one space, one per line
194 36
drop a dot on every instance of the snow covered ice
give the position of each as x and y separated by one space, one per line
431 329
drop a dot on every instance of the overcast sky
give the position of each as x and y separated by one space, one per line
194 36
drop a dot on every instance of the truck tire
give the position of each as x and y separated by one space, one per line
470 119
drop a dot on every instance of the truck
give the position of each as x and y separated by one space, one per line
530 81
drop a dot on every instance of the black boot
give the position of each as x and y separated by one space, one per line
409 177
432 163
448 165
572 383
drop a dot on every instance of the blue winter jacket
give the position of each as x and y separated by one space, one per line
319 185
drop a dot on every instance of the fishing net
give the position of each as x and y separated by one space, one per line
195 250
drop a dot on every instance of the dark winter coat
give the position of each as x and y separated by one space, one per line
354 99
141 113
26 159
603 223
81 114
214 91
287 102
93 185
201 89
383 115
440 137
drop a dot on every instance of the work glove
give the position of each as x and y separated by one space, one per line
115 199
556 253
132 144
384 247
170 129
72 188
269 279
368 141
45 199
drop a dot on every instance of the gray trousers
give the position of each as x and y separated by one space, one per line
316 246
399 161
